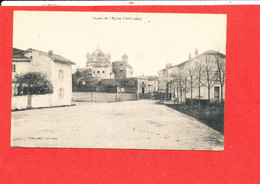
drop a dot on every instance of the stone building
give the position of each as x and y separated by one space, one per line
100 64
56 68
153 84
200 77
122 69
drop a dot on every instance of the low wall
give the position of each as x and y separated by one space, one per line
102 97
19 102
34 101
41 101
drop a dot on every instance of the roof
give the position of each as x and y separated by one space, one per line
214 52
55 57
151 78
125 56
209 52
18 56
99 53
100 65
127 65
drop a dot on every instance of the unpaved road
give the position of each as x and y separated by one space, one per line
142 124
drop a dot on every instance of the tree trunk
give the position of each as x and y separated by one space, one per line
199 89
199 93
221 88
209 94
177 93
181 95
191 90
185 94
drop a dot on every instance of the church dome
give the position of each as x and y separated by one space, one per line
100 54
125 56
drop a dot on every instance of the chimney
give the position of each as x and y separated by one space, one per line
168 65
189 55
50 52
196 52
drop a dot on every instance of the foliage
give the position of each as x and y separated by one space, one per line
211 114
32 83
129 84
82 80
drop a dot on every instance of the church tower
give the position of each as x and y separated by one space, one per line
125 58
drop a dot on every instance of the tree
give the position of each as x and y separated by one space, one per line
80 78
208 67
184 79
199 75
221 72
32 83
191 78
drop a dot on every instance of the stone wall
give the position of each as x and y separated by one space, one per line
102 97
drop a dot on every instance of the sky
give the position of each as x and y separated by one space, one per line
149 39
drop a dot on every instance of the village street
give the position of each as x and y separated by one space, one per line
142 124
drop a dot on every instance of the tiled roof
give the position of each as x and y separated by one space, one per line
212 52
153 78
60 59
18 56
55 57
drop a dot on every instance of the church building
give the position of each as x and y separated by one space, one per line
122 69
100 64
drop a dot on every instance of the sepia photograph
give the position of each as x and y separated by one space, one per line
118 80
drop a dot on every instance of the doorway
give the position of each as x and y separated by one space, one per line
216 93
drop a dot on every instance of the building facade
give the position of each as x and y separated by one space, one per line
100 64
200 77
122 69
153 84
57 69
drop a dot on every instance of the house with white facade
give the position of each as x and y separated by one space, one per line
200 77
57 69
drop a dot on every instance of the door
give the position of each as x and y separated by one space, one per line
142 90
216 93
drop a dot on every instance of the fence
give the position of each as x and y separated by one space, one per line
102 97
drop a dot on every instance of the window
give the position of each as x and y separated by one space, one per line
93 71
61 75
103 71
61 93
13 68
97 71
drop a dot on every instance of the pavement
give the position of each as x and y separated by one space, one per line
142 124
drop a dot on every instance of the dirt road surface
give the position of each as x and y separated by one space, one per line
142 124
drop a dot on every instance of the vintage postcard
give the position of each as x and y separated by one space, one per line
118 80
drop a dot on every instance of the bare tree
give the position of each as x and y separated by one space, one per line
191 78
199 72
209 67
221 72
184 75
179 80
